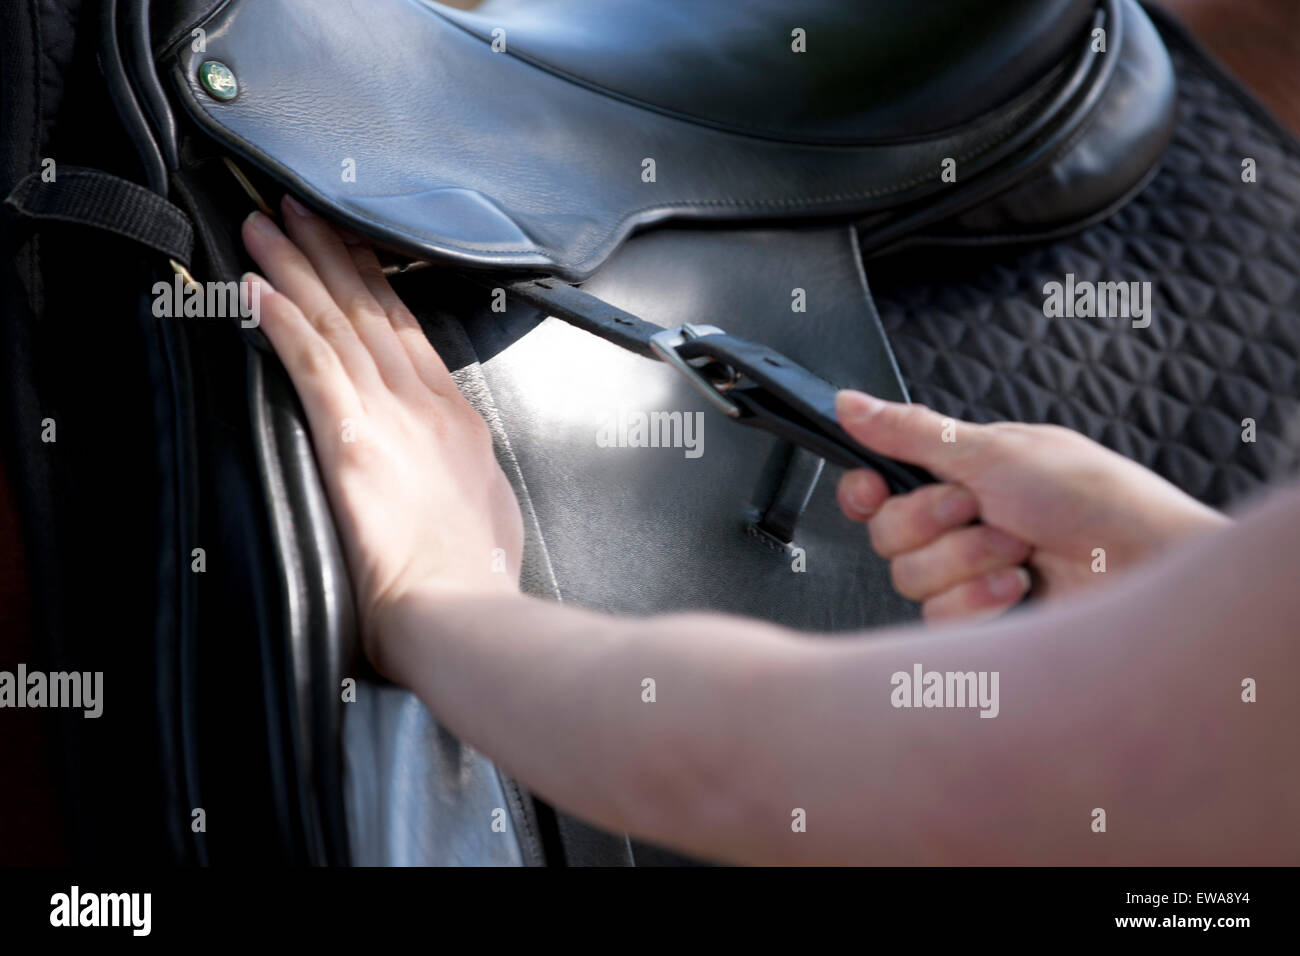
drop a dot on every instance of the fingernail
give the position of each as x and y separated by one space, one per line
1010 583
261 223
296 207
853 406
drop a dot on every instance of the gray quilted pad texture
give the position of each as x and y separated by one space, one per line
1223 257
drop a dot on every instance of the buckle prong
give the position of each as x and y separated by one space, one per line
665 345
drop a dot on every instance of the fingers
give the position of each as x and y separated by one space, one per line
419 351
936 555
293 276
907 522
955 557
333 263
327 393
911 433
860 493
985 596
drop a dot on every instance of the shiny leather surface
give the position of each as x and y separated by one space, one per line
872 71
1134 123
644 530
426 799
320 642
488 160
172 21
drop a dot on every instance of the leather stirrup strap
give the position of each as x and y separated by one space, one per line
755 385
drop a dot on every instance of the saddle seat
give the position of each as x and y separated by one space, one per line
400 119
868 74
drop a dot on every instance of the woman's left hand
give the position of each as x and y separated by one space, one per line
418 497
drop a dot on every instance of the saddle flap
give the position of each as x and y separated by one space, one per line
412 130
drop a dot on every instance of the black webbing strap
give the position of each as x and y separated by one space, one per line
764 388
88 197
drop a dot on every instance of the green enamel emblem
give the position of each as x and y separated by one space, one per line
218 80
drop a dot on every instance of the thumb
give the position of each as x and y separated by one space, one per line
946 446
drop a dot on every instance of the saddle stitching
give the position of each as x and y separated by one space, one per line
765 540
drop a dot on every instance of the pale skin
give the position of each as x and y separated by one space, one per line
1119 690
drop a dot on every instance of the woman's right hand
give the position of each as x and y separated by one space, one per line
1011 498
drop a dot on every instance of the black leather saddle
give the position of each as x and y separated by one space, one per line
536 138
539 136
696 183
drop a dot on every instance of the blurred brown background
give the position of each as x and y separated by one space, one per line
1259 40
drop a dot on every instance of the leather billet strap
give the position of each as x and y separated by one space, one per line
755 385
751 383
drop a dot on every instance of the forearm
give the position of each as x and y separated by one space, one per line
1127 701
632 723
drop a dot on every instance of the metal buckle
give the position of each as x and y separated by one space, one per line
665 345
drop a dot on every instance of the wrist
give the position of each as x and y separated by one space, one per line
1189 522
413 612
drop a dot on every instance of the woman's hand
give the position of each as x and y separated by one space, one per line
408 464
1046 499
